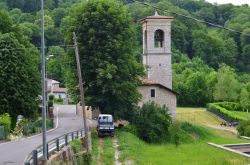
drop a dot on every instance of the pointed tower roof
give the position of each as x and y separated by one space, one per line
156 16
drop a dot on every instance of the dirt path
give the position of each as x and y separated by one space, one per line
100 151
223 128
115 144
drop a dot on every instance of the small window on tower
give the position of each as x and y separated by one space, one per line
152 92
159 38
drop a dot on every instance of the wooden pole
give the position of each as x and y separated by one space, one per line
86 142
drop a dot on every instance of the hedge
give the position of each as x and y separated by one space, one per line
230 106
224 113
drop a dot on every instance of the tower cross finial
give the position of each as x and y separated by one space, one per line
156 13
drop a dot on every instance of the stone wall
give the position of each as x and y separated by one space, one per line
65 156
162 97
91 113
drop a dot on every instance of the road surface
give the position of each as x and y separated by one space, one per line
14 153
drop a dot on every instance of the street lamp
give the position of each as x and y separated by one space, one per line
45 156
46 77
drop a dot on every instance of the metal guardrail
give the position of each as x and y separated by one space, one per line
53 145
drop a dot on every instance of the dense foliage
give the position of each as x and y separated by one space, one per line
19 75
107 48
198 49
152 123
244 128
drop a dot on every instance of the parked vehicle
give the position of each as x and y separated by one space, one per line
105 125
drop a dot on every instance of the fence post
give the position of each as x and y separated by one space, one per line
77 134
34 157
57 145
72 136
66 139
81 132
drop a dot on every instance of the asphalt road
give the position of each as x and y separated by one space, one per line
14 152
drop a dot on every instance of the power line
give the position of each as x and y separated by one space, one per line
192 18
19 49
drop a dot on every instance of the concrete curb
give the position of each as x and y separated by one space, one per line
245 137
228 149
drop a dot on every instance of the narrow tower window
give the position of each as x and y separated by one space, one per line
159 38
152 92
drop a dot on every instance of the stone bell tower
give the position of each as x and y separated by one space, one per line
157 48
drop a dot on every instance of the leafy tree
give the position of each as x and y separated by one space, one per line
19 80
57 15
106 42
56 64
209 48
244 99
226 88
207 14
5 21
245 56
245 39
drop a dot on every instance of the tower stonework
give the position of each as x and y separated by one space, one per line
157 49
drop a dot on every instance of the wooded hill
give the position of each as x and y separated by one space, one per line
205 58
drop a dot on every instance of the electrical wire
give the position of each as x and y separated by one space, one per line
16 49
192 18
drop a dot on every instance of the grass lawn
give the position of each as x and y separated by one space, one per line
198 153
102 150
194 153
197 116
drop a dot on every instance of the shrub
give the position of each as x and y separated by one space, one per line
175 132
5 120
50 103
244 128
223 113
51 97
152 123
130 128
59 100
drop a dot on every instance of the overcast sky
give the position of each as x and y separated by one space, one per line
235 2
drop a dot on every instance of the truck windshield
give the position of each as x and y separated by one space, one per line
105 119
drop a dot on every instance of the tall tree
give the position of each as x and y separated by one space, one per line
107 47
19 77
226 88
244 99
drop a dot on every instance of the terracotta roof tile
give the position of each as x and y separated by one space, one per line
148 82
59 90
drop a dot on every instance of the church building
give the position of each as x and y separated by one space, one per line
157 85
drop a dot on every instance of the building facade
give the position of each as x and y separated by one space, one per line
157 85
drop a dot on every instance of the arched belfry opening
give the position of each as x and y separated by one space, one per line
159 38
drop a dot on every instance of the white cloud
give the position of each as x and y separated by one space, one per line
235 2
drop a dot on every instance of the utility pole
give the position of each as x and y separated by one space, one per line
82 92
45 157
